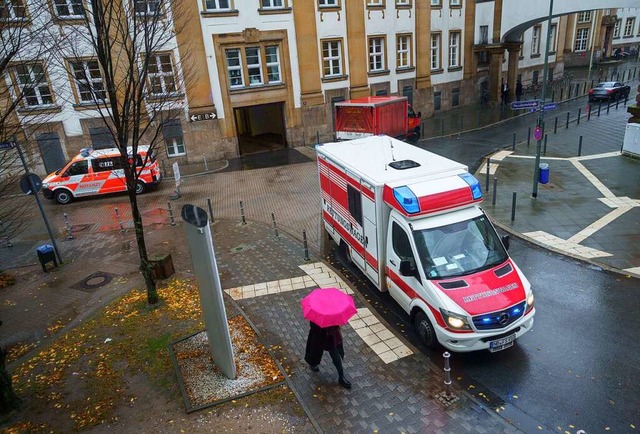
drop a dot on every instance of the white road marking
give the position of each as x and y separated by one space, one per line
592 179
565 245
598 224
380 339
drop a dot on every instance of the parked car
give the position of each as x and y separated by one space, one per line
609 90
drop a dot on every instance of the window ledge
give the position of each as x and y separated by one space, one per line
261 87
552 53
274 11
334 78
14 22
329 8
454 68
69 21
437 71
378 73
376 7
534 56
404 69
89 105
409 6
616 37
216 14
628 36
436 7
39 110
455 6
176 155
165 97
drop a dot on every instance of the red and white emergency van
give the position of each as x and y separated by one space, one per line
410 221
99 172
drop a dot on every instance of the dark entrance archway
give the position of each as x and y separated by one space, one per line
260 128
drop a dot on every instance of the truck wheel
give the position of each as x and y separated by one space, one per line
425 331
63 197
140 187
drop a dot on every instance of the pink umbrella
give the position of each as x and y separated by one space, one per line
328 307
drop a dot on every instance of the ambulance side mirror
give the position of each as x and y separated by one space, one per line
505 241
406 269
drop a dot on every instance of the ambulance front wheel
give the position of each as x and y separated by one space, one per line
63 197
425 330
140 187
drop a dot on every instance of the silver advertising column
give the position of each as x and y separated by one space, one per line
211 297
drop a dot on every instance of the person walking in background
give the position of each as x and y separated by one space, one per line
505 93
326 339
518 90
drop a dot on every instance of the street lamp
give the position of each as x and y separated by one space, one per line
536 171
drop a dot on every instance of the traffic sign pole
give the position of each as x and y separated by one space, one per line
33 188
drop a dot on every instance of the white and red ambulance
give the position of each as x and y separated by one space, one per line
99 172
411 222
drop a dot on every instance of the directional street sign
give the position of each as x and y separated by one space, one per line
550 106
7 145
202 117
520 105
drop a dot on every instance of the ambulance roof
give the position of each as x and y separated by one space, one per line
370 157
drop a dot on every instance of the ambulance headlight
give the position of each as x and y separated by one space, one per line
530 300
45 185
455 321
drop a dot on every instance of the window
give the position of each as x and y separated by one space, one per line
148 7
437 100
436 3
375 3
455 97
12 10
454 3
254 67
616 29
272 4
403 50
34 85
217 5
435 51
535 41
552 38
454 49
172 133
628 26
403 2
78 168
584 17
331 58
101 138
484 34
582 36
88 81
69 9
328 3
401 244
355 203
161 76
246 66
234 68
106 164
376 54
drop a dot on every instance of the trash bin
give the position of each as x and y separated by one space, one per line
161 266
543 178
46 254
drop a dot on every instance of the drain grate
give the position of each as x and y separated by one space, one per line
241 248
94 281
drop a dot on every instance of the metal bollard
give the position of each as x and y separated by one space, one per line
555 125
580 147
275 227
608 107
513 144
422 130
567 125
599 108
584 88
68 226
206 166
561 90
244 221
589 112
304 243
119 221
617 102
317 137
210 209
447 374
495 190
173 222
488 166
513 206
553 96
579 112
544 149
529 137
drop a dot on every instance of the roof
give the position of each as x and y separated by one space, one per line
109 152
371 156
372 100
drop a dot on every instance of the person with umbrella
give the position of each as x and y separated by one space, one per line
327 309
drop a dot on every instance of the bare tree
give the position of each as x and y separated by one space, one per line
132 46
25 43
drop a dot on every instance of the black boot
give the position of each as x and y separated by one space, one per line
344 382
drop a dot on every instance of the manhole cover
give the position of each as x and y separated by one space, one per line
94 281
240 248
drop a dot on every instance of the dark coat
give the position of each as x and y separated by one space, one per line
320 340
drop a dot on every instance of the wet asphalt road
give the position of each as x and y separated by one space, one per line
579 366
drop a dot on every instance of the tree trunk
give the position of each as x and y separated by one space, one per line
9 401
145 265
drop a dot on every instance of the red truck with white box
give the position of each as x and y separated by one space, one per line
410 221
374 115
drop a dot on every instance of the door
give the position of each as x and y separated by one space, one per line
260 128
370 233
77 178
51 151
402 288
355 223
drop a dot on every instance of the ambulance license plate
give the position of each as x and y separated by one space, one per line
501 344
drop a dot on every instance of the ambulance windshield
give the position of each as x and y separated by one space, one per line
459 249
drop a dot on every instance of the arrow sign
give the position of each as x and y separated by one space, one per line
550 106
519 105
7 145
202 117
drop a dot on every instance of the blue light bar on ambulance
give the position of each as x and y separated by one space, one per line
407 199
476 190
